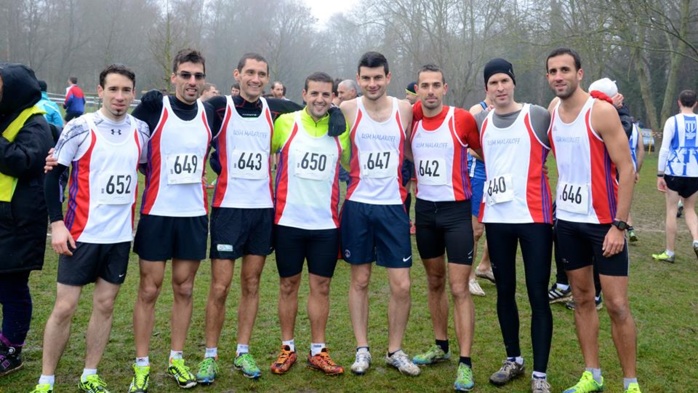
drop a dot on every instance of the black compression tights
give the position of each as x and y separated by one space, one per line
536 248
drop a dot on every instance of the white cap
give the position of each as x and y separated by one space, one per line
605 86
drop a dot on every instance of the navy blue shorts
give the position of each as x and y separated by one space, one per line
294 245
477 185
579 245
236 232
91 261
444 226
160 238
378 233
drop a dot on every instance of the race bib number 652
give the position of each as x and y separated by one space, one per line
116 188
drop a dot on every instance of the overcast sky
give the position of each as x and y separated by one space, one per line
323 9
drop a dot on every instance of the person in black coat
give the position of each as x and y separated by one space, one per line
25 141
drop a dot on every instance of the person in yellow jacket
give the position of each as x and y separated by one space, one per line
26 139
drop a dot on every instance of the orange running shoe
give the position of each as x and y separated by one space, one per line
285 360
323 362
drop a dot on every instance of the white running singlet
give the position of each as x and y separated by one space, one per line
244 146
307 187
177 155
104 181
516 190
376 158
440 162
587 189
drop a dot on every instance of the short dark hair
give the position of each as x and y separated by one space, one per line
235 86
565 51
116 69
687 98
431 68
251 56
73 80
188 55
207 87
317 77
42 85
335 85
372 60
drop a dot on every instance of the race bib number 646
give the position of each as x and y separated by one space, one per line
573 198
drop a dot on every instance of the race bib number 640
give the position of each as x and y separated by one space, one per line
499 189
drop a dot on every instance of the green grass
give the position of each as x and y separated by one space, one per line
662 299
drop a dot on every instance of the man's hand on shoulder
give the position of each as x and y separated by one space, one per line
338 124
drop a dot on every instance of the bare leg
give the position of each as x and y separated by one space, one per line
358 302
288 305
99 328
398 307
152 274
463 307
672 200
436 295
318 306
615 291
586 318
57 329
250 272
183 275
221 277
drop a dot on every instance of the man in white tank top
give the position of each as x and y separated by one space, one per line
591 150
94 240
374 224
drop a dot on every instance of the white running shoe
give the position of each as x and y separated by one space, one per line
402 362
361 363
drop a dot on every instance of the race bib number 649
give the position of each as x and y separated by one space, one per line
184 168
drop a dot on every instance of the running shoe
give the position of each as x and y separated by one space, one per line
362 362
557 295
679 212
433 355
181 373
475 288
509 371
42 388
93 384
284 361
486 274
464 379
695 249
664 257
323 362
208 370
586 384
539 385
402 362
10 359
632 236
139 383
245 363
633 388
599 303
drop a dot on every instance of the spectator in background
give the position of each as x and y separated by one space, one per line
74 100
278 90
23 146
209 91
53 113
235 89
347 89
410 94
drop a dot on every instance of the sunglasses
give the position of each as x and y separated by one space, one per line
187 75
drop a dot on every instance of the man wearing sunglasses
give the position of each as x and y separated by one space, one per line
174 208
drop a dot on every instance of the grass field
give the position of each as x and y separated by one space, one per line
662 299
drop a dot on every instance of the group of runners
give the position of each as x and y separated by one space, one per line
297 215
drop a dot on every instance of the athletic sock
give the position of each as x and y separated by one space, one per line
517 359
390 354
695 243
466 360
175 355
86 372
211 353
562 287
291 344
628 381
669 253
596 372
49 379
366 349
143 362
316 348
443 344
242 349
539 375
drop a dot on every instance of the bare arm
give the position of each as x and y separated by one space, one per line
406 116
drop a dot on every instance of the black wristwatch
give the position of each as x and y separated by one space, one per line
622 225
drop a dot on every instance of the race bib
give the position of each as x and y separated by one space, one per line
249 165
499 189
573 198
116 188
313 165
432 172
184 168
379 164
